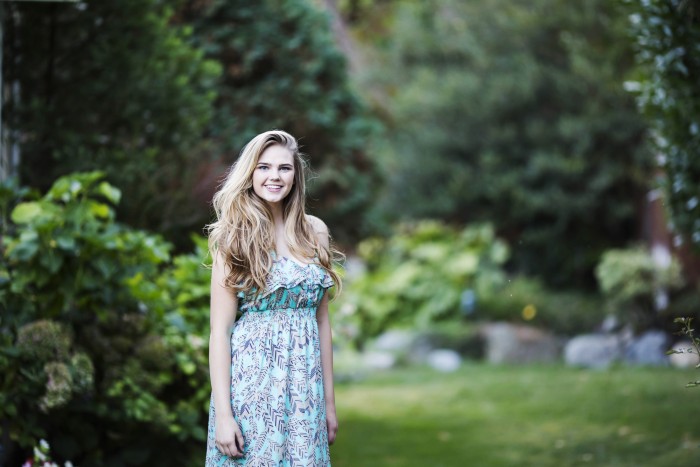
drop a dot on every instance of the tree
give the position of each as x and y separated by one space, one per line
110 85
667 34
514 112
283 70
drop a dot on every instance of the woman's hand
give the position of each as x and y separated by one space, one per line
331 423
229 439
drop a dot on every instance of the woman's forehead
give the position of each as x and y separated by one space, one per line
276 155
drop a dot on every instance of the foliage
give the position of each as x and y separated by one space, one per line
180 293
523 299
85 364
110 85
282 69
688 331
513 113
667 34
417 276
630 279
42 457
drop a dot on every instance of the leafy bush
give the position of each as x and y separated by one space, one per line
630 280
417 277
667 35
86 363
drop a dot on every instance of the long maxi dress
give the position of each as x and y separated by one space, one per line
277 393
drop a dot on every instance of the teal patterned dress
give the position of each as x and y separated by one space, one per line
276 375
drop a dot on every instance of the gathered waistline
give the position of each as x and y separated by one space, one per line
274 310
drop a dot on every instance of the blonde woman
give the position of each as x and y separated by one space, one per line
271 370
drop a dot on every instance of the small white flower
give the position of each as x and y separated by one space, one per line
44 445
39 455
68 464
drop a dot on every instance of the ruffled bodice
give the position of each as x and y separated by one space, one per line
289 285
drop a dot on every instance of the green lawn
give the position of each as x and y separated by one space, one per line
519 416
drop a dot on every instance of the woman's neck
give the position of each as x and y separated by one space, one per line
277 215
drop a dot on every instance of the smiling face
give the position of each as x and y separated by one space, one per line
273 176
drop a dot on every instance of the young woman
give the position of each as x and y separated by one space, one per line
271 370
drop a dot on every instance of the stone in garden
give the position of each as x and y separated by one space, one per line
609 324
685 359
398 341
648 349
509 343
420 348
596 351
444 360
379 360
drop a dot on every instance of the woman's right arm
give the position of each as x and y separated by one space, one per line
224 306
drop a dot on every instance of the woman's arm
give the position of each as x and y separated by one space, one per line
324 334
224 306
325 338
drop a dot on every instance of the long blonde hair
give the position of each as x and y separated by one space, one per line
243 232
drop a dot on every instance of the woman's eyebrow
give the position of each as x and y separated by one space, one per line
284 164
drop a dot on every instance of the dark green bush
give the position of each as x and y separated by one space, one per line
87 363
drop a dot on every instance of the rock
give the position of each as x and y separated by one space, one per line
685 359
394 341
444 360
648 349
379 360
609 324
593 350
509 343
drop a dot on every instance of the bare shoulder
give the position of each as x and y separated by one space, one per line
319 227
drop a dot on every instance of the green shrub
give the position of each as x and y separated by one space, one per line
417 277
630 280
86 362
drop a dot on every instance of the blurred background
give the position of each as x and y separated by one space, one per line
516 185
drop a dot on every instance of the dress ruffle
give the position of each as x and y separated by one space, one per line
289 274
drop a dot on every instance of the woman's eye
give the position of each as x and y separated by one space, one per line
262 167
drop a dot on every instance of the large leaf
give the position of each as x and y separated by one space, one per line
25 213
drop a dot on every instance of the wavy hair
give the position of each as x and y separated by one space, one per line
243 231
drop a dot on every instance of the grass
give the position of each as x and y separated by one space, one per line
519 416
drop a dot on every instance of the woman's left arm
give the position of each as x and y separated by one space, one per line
326 341
324 333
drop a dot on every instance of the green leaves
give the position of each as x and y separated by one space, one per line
417 276
24 213
667 35
630 279
85 329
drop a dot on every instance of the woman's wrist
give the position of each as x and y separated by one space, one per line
225 415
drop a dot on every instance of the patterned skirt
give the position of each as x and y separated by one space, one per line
276 391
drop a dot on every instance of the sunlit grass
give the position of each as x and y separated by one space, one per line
519 416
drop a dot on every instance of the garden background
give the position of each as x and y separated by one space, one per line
528 169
